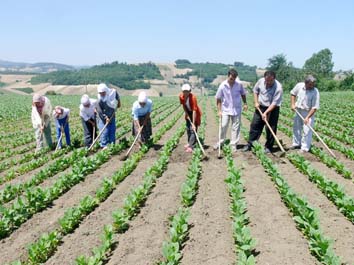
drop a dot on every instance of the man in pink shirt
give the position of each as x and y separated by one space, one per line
228 101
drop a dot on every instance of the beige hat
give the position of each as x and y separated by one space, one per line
37 98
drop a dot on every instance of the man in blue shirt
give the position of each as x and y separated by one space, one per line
141 117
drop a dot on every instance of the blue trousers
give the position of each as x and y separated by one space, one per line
108 136
59 123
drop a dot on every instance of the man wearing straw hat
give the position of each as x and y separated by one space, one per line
88 119
305 98
141 111
41 111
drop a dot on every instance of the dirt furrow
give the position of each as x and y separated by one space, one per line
210 239
142 243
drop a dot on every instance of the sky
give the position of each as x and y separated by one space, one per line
89 32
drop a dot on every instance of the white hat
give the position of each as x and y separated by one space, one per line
85 100
142 98
186 87
37 98
102 88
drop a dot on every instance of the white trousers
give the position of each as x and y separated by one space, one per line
235 128
302 134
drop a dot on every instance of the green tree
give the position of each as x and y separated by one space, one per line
320 64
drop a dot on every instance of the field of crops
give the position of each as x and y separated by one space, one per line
164 206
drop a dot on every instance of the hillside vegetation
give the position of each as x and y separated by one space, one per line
127 76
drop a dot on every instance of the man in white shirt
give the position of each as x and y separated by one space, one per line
88 119
61 119
305 98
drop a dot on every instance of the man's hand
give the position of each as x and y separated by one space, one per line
256 105
264 116
245 107
107 120
306 120
293 107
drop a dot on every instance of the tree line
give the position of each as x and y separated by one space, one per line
320 65
127 76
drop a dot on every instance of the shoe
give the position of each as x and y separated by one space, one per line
267 151
104 147
295 147
246 148
189 150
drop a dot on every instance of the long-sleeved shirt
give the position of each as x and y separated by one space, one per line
306 99
88 113
139 111
230 97
103 106
270 95
44 118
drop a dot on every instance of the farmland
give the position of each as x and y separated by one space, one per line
164 206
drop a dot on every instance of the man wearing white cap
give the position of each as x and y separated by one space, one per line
107 104
61 119
88 119
305 98
41 111
192 115
141 111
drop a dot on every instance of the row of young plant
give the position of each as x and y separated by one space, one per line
132 203
11 191
45 247
245 244
304 215
37 199
179 228
331 189
327 159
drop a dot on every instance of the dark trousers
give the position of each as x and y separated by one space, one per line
192 139
88 131
257 125
147 130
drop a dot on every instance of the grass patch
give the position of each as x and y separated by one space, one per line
27 90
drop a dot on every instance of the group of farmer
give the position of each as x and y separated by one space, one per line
267 96
98 118
230 100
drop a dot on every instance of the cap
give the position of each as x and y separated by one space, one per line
102 88
186 87
85 100
142 98
37 98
